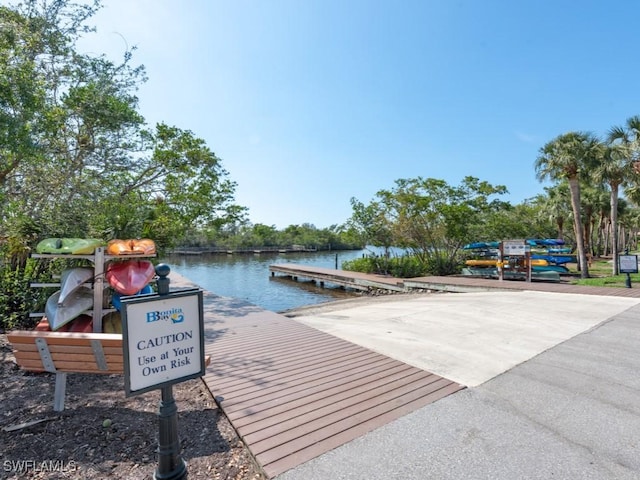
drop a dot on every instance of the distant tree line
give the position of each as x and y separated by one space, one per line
247 235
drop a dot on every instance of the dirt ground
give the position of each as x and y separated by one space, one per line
77 444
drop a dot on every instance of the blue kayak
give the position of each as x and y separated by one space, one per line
555 259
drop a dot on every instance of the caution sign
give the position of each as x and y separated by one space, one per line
163 339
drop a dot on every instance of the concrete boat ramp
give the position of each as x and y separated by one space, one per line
374 387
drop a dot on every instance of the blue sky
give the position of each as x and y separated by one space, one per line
311 102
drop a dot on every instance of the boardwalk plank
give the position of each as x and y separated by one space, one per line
288 426
247 413
305 454
332 436
302 371
310 403
281 392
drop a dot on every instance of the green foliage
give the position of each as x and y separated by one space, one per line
16 298
260 235
76 157
404 266
430 218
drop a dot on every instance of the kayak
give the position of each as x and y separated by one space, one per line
71 279
556 259
547 242
550 268
116 297
81 324
77 303
130 276
142 246
480 245
71 246
492 262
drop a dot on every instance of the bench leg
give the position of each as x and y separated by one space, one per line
58 395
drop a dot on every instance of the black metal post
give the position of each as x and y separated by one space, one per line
627 282
171 466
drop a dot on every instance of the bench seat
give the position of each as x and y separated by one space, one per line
68 352
54 352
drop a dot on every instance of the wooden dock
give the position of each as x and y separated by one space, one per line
457 284
343 278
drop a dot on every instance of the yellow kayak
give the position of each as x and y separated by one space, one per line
492 262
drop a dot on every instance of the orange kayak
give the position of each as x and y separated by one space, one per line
142 246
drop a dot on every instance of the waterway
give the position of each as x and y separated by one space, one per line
247 277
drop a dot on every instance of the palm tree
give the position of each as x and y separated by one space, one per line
618 164
555 206
613 169
569 156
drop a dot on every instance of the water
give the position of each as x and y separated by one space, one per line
247 276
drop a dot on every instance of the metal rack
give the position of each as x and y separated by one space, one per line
99 259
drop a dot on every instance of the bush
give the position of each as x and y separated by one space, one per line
17 299
406 266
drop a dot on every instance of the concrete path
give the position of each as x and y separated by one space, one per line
571 412
466 337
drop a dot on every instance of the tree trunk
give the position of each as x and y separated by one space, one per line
574 188
560 224
614 228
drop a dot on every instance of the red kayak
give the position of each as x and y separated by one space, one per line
131 276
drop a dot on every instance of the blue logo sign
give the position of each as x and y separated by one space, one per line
175 315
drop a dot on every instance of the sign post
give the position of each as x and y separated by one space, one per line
518 248
163 344
628 264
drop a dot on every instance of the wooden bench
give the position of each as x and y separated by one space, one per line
62 353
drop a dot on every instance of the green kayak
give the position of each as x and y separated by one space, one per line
72 246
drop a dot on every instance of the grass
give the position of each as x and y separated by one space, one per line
600 272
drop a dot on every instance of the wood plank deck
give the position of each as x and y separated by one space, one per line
293 392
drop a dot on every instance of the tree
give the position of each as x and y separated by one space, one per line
568 157
556 206
82 160
429 217
617 167
372 224
76 156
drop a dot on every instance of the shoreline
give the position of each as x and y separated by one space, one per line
351 303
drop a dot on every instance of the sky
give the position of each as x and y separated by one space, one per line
309 103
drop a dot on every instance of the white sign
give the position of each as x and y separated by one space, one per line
163 340
514 247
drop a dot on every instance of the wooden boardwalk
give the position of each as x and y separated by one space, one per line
294 393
